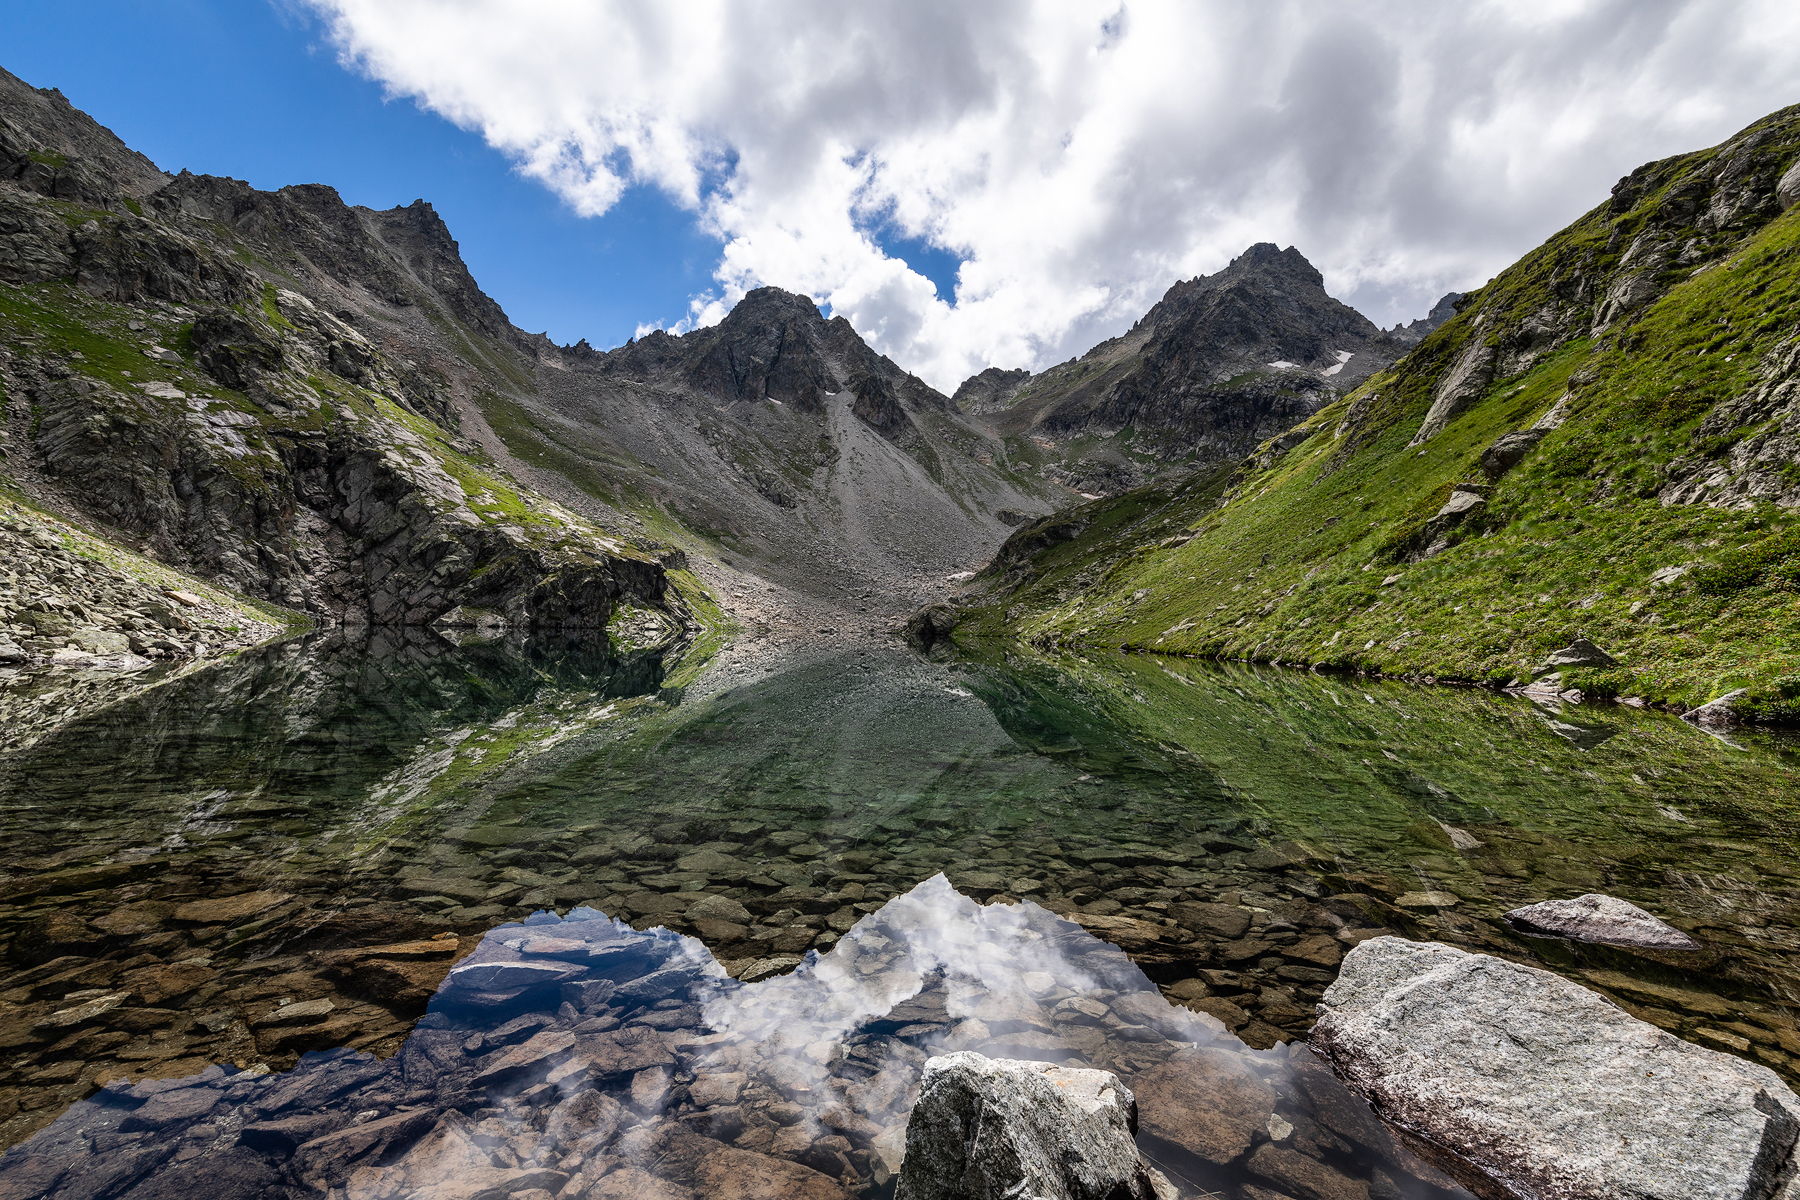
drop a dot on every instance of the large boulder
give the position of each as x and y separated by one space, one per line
988 1127
1788 189
1509 450
1720 712
1578 653
931 625
1533 1083
1597 918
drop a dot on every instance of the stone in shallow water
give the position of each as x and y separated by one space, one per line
988 1127
504 976
1427 900
302 1012
1203 1103
231 908
1226 921
1544 1086
1598 918
1298 1175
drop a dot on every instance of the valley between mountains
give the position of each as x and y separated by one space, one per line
315 406
342 621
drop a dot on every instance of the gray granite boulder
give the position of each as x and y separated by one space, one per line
1535 1084
1720 712
1597 918
1578 653
989 1127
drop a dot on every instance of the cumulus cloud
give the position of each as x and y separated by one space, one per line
1079 156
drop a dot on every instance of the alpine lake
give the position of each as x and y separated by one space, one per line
707 920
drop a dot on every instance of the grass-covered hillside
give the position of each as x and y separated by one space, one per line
1617 417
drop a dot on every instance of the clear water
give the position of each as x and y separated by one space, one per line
390 791
580 1054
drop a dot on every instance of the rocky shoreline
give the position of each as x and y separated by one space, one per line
941 1050
582 1058
63 604
184 967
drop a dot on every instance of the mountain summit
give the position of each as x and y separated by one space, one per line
1221 363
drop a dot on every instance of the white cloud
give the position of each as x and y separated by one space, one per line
1080 155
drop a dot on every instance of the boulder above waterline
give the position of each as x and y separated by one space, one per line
986 1127
1547 1089
1578 653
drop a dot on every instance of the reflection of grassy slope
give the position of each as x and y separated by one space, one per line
1366 775
1291 567
1350 763
716 628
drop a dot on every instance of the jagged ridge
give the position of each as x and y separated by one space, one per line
266 388
1219 364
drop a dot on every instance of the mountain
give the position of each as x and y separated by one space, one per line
783 441
1218 365
315 404
1602 443
265 389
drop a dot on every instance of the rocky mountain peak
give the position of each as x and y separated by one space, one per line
1269 305
989 391
769 347
49 146
1266 258
1440 312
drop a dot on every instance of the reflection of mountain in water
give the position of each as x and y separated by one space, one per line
581 1057
302 727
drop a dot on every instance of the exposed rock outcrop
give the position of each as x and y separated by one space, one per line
1719 713
1665 221
1535 1084
987 1127
989 391
69 608
1578 653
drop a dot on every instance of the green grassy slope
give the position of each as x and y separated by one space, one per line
1319 555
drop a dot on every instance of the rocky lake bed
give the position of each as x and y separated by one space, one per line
292 851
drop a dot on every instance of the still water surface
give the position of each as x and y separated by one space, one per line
283 826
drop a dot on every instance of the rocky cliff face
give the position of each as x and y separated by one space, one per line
1219 364
267 388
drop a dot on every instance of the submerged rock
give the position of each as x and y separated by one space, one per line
1598 918
986 1127
1538 1085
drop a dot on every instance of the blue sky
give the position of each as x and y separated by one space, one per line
1076 159
251 91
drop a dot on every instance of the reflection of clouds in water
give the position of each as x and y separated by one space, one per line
585 1058
889 956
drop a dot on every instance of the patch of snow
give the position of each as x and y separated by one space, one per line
1343 356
